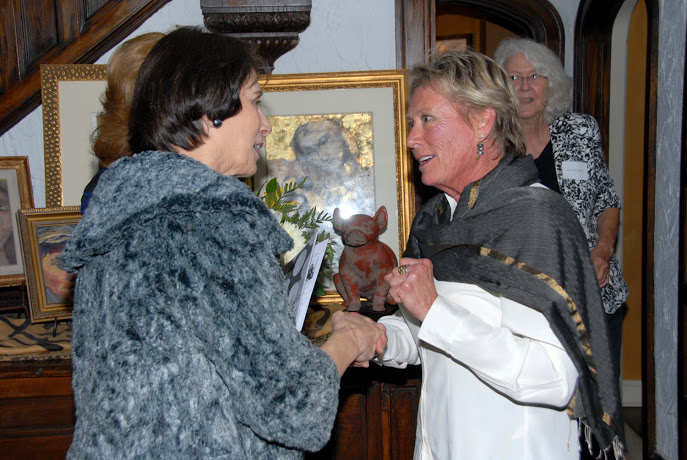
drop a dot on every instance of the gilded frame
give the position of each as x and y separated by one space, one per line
71 98
15 176
44 233
381 93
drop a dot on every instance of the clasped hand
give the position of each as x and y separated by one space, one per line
413 286
369 337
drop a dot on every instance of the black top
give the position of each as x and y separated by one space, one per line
547 168
88 191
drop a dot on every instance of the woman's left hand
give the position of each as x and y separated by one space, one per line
601 257
413 286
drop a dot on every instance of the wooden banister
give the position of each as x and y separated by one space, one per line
65 32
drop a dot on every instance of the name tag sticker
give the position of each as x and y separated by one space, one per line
575 170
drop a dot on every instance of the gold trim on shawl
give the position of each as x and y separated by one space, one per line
571 406
582 330
474 192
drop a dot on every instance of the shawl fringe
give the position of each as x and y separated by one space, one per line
616 446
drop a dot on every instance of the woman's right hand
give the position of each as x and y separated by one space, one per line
369 338
413 286
354 338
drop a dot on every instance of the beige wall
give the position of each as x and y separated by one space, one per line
634 192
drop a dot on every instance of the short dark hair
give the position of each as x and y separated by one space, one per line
188 73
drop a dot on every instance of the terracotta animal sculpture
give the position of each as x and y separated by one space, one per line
365 260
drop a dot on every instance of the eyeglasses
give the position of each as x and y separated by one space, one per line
533 79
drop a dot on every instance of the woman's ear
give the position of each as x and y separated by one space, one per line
484 121
205 124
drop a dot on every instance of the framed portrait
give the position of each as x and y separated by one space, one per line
15 194
71 101
345 134
44 235
459 42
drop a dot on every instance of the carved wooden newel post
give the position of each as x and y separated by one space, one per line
272 25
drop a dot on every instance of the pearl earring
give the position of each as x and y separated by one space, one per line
216 123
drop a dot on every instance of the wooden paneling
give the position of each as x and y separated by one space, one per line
377 415
36 410
402 414
36 32
375 419
43 448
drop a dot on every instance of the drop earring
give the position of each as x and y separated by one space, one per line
216 123
480 147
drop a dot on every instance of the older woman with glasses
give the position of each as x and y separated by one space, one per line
567 151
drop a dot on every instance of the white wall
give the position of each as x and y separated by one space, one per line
344 36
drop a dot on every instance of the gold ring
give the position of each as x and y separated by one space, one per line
402 269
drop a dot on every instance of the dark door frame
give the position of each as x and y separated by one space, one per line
415 23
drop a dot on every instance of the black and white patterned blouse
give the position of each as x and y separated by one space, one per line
585 182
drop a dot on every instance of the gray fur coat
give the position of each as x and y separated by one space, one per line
183 342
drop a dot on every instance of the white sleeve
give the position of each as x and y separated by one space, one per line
401 348
506 344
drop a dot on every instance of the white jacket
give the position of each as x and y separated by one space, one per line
495 379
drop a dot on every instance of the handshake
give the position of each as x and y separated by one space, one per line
355 340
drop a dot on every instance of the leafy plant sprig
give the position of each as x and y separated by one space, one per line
280 199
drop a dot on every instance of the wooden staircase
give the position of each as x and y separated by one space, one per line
35 32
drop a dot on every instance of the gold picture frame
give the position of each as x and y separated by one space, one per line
71 98
44 234
382 94
15 194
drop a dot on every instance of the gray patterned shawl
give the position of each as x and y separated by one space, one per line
525 243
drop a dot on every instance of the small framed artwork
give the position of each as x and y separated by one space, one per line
459 42
15 194
71 101
44 235
344 133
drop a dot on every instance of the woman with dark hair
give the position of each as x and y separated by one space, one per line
509 329
184 345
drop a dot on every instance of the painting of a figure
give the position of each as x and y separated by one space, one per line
335 153
8 253
58 284
15 193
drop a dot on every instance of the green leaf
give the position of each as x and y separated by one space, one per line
272 186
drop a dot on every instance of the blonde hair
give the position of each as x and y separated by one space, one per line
110 140
475 82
